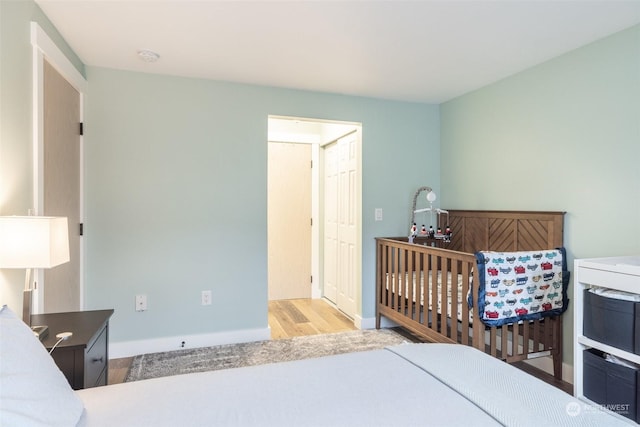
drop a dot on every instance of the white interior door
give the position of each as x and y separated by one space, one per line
289 220
348 223
342 188
330 256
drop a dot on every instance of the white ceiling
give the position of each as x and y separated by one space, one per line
424 51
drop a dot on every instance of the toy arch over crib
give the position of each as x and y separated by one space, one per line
441 232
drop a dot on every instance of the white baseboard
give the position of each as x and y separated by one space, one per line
370 323
154 345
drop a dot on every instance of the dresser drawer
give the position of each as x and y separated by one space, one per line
95 360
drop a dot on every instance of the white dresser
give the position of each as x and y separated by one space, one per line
617 273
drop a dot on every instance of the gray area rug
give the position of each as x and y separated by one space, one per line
155 365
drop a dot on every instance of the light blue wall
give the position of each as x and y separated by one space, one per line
562 136
176 193
16 172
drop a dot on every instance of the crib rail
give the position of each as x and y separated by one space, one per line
407 293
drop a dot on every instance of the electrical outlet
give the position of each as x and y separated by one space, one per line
378 214
206 297
141 302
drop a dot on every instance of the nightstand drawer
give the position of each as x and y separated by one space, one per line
96 360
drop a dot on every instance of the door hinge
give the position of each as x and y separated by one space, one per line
311 279
81 229
311 164
311 221
81 128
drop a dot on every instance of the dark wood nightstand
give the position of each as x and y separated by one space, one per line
84 357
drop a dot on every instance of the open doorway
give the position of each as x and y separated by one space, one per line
58 90
330 228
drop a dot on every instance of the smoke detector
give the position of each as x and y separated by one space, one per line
148 55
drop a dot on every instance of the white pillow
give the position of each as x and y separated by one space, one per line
33 391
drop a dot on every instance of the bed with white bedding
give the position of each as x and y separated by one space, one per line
405 385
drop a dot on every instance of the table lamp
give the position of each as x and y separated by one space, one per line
33 242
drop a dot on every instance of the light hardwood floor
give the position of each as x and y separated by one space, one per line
300 317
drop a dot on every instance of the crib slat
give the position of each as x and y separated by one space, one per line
402 280
442 321
433 289
536 335
544 332
525 338
492 341
443 294
453 299
478 333
504 341
463 304
410 282
557 347
515 339
426 296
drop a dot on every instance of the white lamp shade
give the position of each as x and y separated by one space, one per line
33 241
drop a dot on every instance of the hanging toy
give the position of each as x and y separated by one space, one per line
414 230
447 234
423 230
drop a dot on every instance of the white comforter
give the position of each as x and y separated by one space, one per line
391 387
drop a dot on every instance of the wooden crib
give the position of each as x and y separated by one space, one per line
406 274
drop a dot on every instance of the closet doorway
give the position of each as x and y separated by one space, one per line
62 179
58 95
334 223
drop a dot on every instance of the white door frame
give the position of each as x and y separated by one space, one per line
44 47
